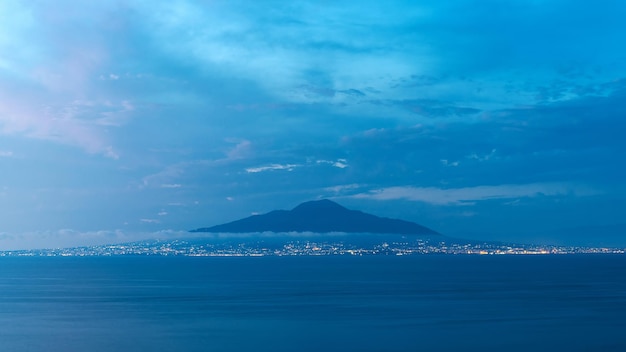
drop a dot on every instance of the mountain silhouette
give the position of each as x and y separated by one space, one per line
320 216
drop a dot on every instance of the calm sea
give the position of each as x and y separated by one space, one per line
417 303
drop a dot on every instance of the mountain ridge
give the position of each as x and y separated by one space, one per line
322 216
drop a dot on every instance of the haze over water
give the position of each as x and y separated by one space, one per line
376 303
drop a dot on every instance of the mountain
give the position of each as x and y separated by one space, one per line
320 216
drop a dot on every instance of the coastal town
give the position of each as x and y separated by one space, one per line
310 247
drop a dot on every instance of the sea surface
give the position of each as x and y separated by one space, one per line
376 303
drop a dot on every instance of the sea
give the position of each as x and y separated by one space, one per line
325 303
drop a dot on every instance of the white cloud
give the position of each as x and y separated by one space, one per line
79 123
272 167
240 150
483 157
164 178
445 162
471 195
340 189
6 154
110 153
339 163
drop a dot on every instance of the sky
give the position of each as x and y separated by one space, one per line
495 120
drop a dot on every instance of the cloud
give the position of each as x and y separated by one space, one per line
446 162
471 195
339 163
241 150
343 189
272 167
51 56
194 97
79 123
285 49
482 157
166 177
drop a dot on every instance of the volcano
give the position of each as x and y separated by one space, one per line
321 216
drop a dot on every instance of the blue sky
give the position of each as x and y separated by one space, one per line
501 120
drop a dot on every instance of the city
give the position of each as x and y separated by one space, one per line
310 247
